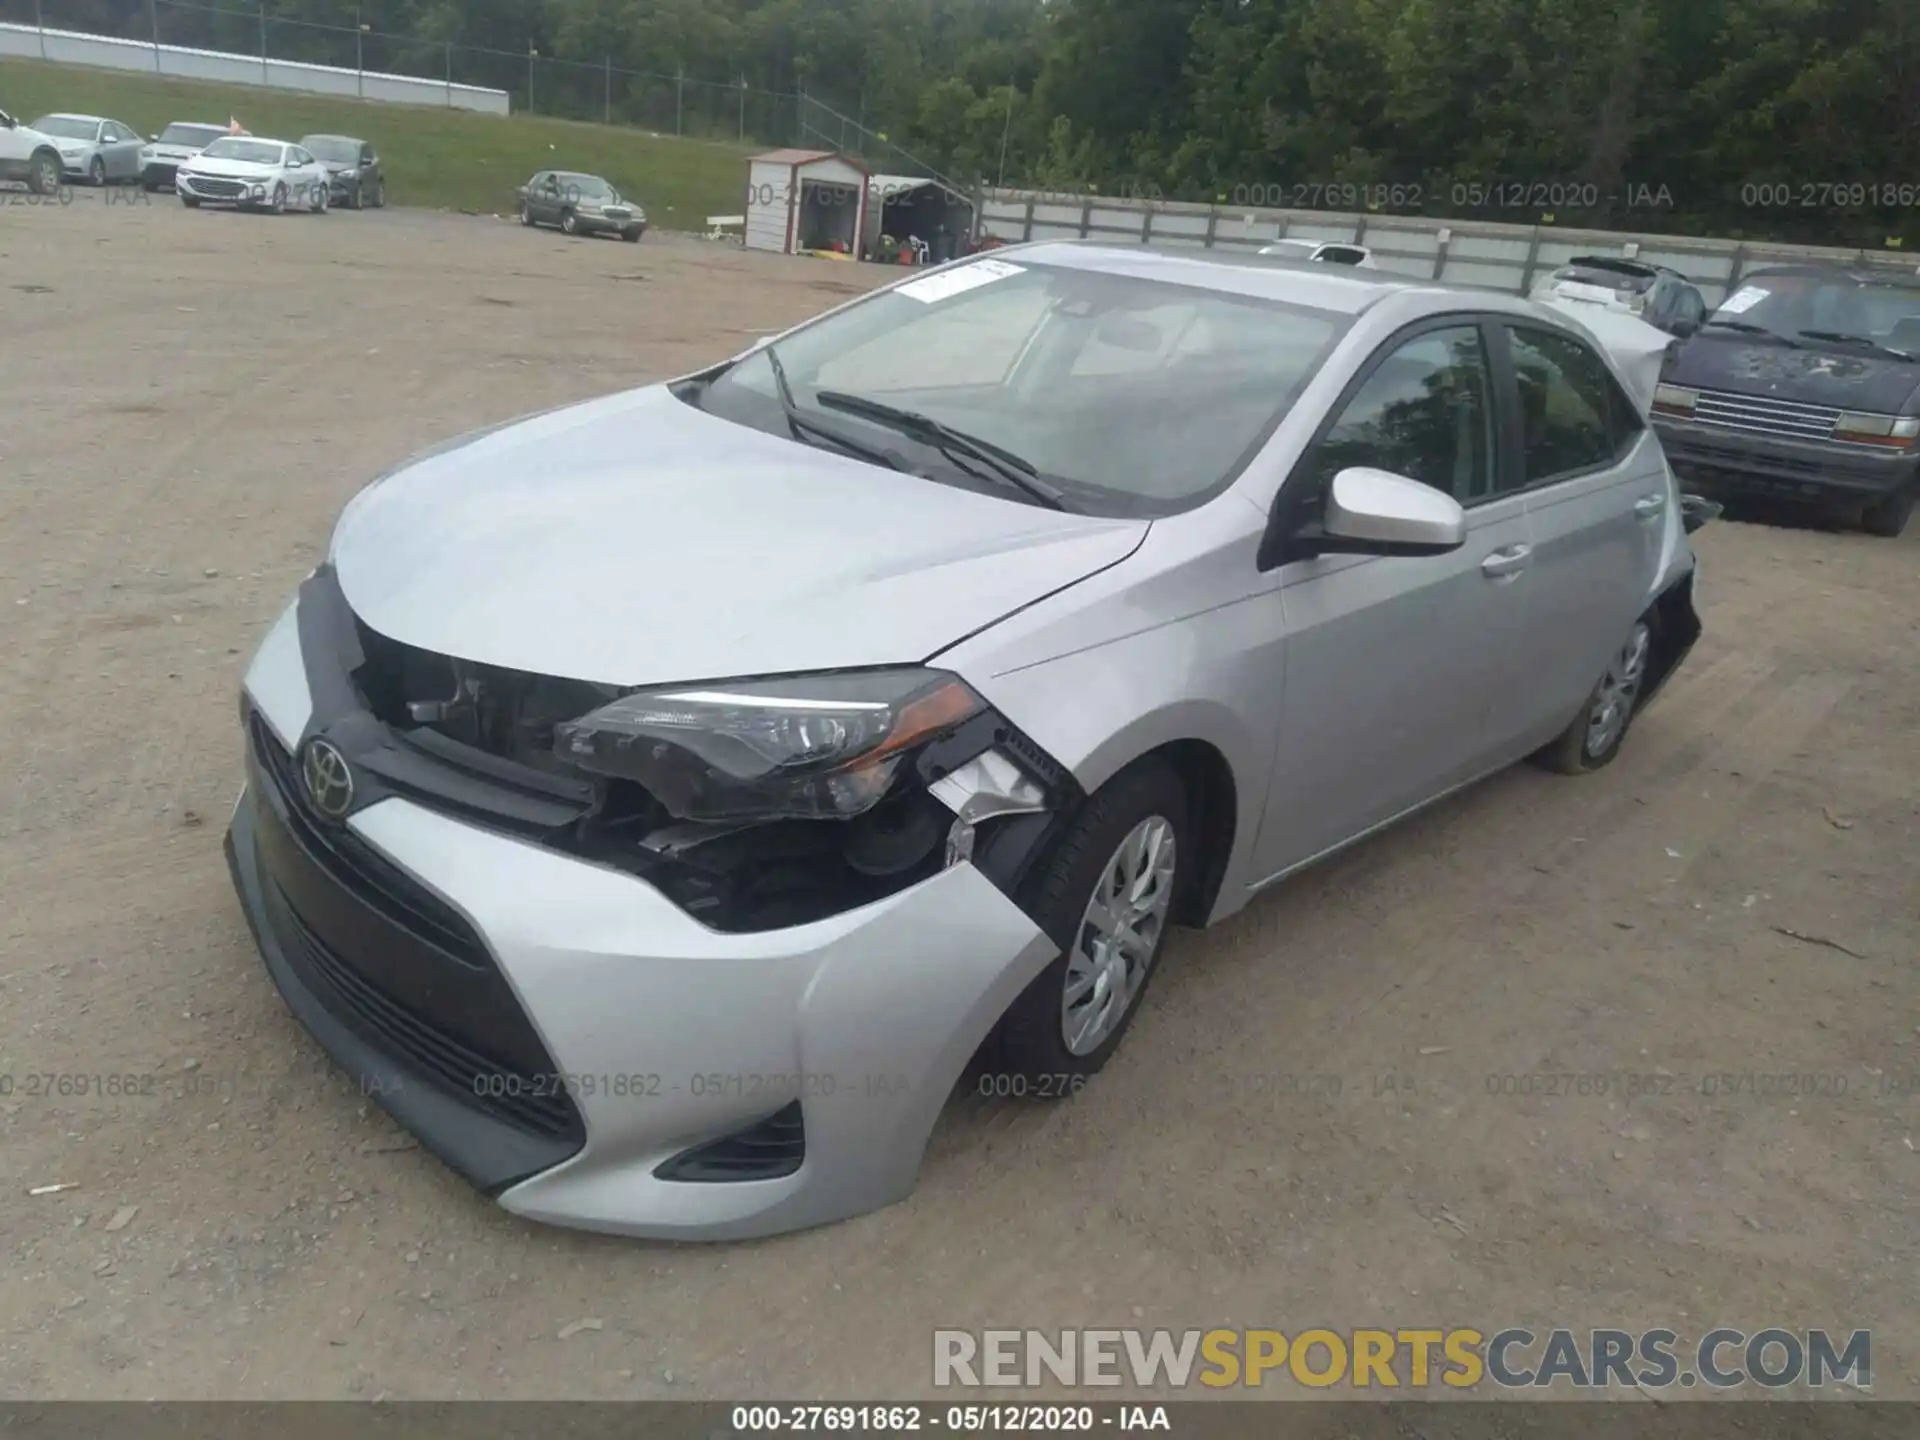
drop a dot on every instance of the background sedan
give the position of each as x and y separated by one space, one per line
92 147
353 169
580 205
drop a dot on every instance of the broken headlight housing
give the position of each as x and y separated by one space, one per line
808 747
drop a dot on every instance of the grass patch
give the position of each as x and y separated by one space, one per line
436 158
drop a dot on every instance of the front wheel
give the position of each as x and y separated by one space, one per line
569 224
1593 737
97 172
278 205
43 178
322 197
1105 895
1888 518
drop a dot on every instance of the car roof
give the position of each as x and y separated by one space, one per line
581 175
1342 289
71 115
1620 263
344 139
1859 274
198 125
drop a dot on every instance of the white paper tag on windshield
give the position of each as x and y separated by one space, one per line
929 288
1743 300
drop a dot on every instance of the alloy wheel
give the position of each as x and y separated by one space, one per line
1619 688
1117 936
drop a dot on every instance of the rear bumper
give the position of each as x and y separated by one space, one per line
1725 464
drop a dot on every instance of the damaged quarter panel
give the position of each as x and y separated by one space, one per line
580 546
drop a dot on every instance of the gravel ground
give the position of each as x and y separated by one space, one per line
191 397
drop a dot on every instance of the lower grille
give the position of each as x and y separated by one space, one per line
769 1150
217 189
534 1105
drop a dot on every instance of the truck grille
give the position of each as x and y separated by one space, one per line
216 189
1765 415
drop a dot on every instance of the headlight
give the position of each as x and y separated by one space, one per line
259 192
814 747
1874 429
1674 399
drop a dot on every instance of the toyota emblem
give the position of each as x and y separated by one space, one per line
329 779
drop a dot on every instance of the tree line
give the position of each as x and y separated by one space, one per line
1795 119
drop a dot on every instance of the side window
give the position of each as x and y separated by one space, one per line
366 155
1573 415
1425 412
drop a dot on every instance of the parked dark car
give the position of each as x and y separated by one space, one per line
1803 386
1661 296
353 169
580 205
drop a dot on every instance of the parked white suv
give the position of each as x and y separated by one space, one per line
28 156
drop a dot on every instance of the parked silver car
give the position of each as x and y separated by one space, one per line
93 148
660 802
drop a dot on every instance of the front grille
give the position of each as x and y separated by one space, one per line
216 189
355 866
1714 457
533 1104
1765 415
770 1149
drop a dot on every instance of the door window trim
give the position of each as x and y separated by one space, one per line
1273 545
1517 461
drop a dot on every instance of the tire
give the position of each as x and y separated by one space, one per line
322 199
97 173
1594 736
43 174
379 195
632 237
353 200
1889 517
1140 813
278 204
569 223
192 202
526 215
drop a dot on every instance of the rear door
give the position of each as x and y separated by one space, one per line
1596 492
1390 660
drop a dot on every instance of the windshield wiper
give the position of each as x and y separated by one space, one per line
1841 337
799 425
1747 327
1008 466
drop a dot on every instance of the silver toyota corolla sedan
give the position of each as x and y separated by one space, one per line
662 803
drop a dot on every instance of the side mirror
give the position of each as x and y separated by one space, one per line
6 120
1375 512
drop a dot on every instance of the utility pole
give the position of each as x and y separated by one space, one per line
40 24
153 19
606 103
743 109
680 101
264 77
532 55
1005 135
359 53
449 45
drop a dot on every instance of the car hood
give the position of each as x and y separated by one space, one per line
68 146
234 169
635 540
1818 375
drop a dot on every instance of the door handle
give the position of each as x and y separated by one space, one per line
1508 562
1649 506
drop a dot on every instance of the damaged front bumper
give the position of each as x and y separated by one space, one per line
577 1044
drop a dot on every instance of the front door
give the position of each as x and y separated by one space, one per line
1390 661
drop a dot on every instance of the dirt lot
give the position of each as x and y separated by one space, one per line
190 398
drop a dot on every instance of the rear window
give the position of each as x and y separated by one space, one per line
178 134
1605 277
1574 416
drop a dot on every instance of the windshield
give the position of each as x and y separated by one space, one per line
63 127
190 134
585 187
333 148
259 152
1130 397
1792 304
